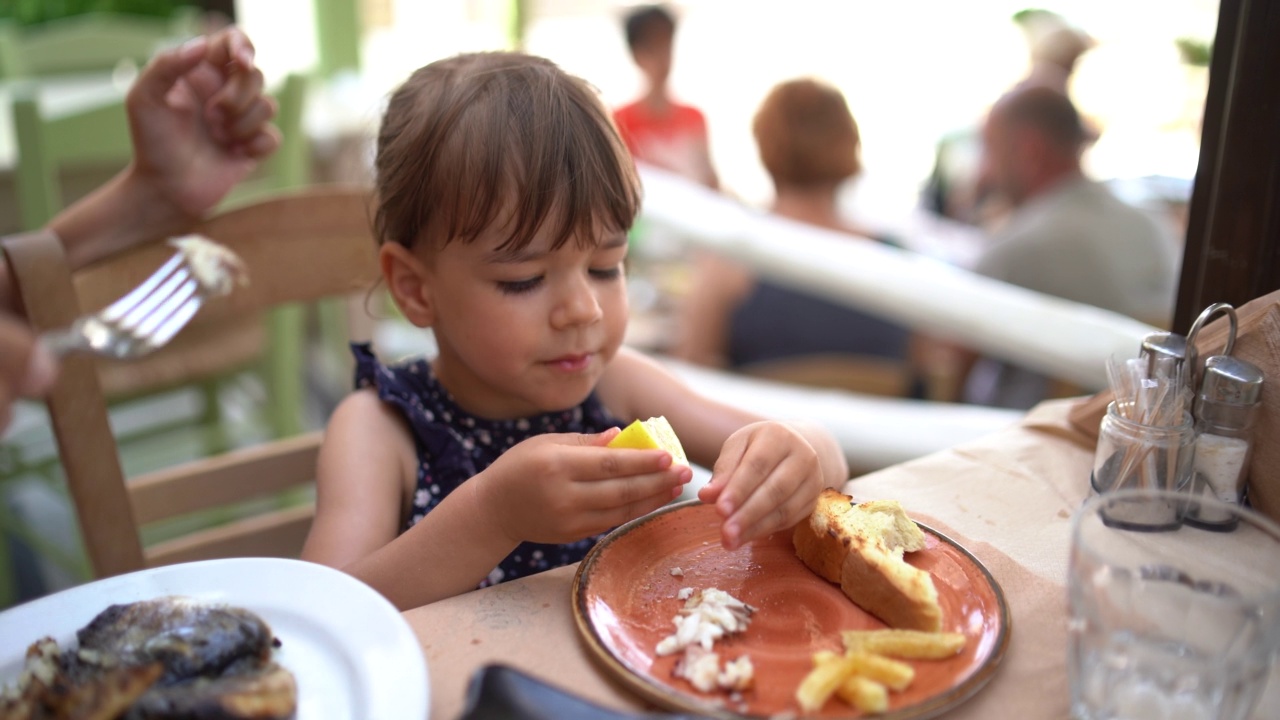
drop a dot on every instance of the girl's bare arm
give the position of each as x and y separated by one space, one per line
367 468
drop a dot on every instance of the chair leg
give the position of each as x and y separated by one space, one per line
284 372
217 439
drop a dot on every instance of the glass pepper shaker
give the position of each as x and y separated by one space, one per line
1225 408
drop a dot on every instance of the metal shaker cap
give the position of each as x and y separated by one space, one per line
1231 381
1164 353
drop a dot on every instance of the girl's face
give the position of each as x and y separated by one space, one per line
529 331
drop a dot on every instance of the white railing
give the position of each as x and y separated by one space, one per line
1060 338
873 432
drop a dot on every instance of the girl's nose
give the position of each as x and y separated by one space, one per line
578 305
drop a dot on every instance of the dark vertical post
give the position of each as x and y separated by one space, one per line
1233 230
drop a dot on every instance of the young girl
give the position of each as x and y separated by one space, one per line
504 198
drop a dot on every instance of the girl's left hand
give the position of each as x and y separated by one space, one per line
766 479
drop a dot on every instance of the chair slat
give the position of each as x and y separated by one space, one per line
280 533
253 472
299 246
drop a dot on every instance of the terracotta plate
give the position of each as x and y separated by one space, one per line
625 599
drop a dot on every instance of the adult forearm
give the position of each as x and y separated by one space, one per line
118 214
124 211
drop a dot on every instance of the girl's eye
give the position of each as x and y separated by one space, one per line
609 273
516 287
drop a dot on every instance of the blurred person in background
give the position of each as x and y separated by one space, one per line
809 143
199 124
1055 47
1066 235
656 128
955 188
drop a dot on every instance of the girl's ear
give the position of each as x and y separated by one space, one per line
407 279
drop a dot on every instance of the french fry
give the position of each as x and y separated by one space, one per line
867 671
904 644
821 682
864 694
892 673
823 657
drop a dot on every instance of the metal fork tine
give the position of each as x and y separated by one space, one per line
118 308
161 312
156 310
175 322
144 308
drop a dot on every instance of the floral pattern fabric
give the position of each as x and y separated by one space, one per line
454 445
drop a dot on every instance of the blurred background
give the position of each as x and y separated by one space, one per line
914 74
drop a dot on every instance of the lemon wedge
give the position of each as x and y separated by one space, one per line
655 432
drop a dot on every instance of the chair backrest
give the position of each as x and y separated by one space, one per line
97 136
92 42
53 143
299 246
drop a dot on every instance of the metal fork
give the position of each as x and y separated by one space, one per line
141 321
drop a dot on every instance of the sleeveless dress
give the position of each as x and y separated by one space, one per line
453 445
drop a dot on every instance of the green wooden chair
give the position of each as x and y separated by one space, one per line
337 35
96 138
289 168
50 148
93 42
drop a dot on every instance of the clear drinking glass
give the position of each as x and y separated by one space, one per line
1175 622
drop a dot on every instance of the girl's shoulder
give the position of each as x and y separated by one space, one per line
409 386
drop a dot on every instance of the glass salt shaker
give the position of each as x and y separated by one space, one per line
1225 409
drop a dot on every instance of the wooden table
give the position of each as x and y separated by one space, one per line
1007 497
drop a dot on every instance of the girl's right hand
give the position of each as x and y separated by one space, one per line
562 487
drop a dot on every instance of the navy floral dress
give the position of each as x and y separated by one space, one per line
453 445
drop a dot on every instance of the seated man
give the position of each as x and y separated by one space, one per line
1066 236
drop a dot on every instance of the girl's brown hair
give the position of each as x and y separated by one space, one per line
504 138
806 135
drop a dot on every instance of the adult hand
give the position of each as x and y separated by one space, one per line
562 487
199 121
766 479
27 369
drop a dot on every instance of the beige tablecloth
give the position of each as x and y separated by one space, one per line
1007 497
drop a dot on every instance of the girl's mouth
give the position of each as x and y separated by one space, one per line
571 363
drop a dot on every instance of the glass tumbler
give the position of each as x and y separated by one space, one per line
1178 623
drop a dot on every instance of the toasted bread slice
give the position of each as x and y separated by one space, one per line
860 547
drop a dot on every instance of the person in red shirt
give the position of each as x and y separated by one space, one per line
657 129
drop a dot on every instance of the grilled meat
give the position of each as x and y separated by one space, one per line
64 685
167 659
190 639
266 692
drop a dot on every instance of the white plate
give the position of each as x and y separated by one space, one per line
351 652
